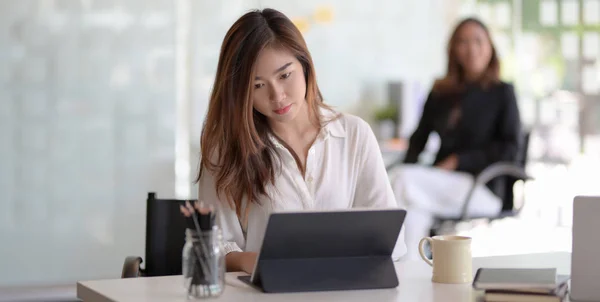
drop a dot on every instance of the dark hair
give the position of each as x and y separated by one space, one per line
455 81
235 143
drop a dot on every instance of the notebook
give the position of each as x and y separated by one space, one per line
528 280
527 297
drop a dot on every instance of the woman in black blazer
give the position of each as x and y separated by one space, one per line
473 112
477 119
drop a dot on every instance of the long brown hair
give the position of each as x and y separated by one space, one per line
454 81
235 141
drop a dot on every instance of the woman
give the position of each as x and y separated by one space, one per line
269 143
474 113
477 119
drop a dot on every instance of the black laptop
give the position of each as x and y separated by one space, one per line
325 251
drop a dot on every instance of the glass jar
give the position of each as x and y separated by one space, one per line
203 263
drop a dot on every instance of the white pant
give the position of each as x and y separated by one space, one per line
426 192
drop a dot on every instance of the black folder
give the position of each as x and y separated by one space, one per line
326 251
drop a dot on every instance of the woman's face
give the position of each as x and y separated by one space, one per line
473 49
279 85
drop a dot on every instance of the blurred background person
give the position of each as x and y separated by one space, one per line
477 119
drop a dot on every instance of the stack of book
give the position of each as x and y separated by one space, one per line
521 285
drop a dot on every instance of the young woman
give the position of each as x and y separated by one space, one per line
269 143
474 113
477 119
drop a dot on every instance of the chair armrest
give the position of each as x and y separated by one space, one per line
489 173
501 169
131 267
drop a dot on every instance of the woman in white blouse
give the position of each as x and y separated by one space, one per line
269 143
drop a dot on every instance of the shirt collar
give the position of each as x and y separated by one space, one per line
333 126
276 142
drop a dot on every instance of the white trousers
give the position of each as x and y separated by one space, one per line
427 192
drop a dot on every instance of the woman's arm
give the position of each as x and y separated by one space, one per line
236 259
419 138
240 261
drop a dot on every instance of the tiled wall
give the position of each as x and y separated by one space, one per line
88 110
86 128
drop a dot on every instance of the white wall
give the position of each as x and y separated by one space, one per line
86 129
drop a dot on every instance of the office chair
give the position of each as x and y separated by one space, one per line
511 172
165 237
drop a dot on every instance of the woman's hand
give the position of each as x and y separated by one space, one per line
241 261
450 163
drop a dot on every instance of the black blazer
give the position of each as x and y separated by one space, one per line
487 131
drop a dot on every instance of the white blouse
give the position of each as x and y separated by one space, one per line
344 169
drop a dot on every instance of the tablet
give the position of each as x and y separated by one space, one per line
334 250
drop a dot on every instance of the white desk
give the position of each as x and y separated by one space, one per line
414 277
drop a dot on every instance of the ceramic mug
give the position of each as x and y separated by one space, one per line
452 261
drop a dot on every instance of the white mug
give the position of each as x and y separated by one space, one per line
452 261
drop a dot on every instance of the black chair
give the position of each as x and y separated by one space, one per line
165 237
507 174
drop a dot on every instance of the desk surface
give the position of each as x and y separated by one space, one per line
414 277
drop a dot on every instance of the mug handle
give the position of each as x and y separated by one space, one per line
422 252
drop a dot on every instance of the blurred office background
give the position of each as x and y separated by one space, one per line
102 101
